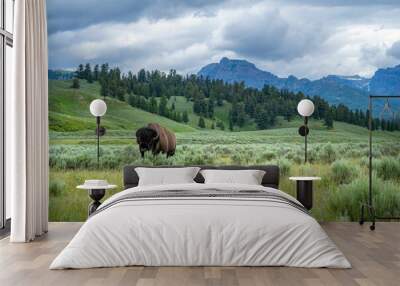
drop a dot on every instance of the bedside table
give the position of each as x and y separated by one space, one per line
304 190
96 190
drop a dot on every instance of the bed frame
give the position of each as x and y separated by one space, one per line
270 179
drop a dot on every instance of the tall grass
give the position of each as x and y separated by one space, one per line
344 171
115 156
284 167
343 168
345 201
388 168
69 203
56 186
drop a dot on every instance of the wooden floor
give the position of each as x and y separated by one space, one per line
375 257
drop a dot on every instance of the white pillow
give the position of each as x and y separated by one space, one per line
166 176
248 177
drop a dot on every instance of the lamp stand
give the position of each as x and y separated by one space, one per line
98 140
305 139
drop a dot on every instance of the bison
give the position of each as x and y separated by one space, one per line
157 139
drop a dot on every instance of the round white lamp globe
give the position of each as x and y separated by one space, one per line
98 107
305 107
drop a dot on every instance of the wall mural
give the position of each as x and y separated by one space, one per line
213 110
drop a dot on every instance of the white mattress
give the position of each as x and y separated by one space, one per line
202 232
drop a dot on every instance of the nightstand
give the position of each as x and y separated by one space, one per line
304 190
96 190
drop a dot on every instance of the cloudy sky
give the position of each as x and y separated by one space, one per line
305 38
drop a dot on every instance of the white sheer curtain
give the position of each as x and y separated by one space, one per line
27 120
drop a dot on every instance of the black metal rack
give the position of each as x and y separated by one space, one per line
369 205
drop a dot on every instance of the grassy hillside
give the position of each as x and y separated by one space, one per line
72 123
338 155
221 113
69 111
181 105
69 116
342 133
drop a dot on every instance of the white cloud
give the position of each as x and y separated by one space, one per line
306 39
160 44
394 50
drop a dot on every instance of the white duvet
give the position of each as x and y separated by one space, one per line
200 231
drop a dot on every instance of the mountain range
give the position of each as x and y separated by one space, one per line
352 91
60 74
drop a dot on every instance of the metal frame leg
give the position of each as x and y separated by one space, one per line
371 215
361 221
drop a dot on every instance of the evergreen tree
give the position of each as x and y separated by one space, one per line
185 117
241 115
210 108
197 106
96 73
103 71
265 117
132 100
247 104
142 76
220 125
391 125
178 117
87 73
232 117
90 78
80 72
237 114
220 101
230 125
153 105
104 87
75 83
120 92
202 123
328 121
162 108
200 107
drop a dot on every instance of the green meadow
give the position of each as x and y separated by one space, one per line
338 155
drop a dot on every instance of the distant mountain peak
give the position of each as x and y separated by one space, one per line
224 60
347 77
235 70
386 81
236 63
351 90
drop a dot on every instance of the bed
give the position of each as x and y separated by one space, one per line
198 224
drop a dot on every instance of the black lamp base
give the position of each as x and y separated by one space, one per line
304 193
96 195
